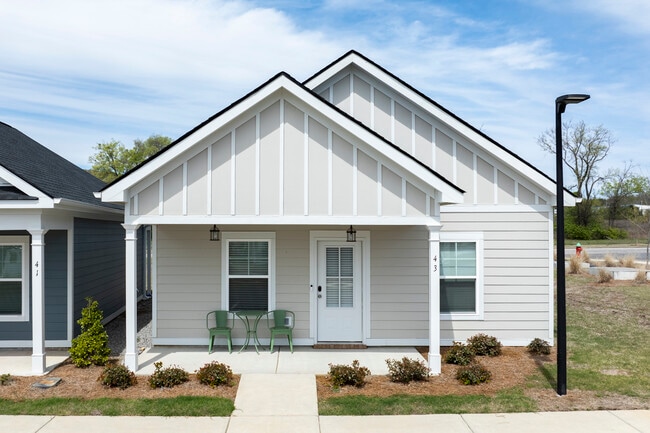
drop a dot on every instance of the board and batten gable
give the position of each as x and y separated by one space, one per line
419 133
283 159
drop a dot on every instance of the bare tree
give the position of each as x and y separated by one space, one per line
584 148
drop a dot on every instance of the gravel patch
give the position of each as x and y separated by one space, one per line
116 330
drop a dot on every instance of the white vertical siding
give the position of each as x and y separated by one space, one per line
269 161
424 136
197 184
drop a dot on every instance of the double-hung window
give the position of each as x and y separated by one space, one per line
14 278
461 282
249 275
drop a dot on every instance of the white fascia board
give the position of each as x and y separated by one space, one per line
44 201
281 220
73 205
353 59
449 193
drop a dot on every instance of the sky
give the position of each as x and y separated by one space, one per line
74 73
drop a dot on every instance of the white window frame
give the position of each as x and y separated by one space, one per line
477 238
22 241
228 237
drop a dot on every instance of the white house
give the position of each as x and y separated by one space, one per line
454 233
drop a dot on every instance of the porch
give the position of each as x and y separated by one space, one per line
304 360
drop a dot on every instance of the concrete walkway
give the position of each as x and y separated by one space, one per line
286 403
544 422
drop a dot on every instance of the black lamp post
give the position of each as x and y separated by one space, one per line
560 104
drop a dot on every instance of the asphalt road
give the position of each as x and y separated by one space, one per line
598 253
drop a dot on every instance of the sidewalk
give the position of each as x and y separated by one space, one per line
545 422
286 403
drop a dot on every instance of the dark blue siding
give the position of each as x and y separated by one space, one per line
56 285
56 268
99 261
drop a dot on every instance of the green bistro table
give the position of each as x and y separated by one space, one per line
251 318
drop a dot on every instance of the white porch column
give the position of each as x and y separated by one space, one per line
38 301
131 354
434 300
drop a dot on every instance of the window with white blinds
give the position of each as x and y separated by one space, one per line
339 285
248 275
461 276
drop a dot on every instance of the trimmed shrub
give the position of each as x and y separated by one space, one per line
167 377
215 374
5 379
473 374
459 354
539 347
407 370
91 346
604 276
117 376
482 345
341 374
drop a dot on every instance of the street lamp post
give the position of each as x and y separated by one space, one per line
560 104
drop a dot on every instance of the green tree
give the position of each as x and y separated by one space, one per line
112 159
620 188
584 148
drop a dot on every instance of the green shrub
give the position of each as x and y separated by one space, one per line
91 346
473 374
117 376
482 345
539 347
407 370
215 374
592 232
5 379
341 375
167 377
459 354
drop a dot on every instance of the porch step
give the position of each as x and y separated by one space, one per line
345 346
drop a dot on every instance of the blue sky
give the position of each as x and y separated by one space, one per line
75 73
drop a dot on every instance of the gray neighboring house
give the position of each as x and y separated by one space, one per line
58 245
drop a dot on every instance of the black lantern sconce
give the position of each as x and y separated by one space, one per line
215 233
351 234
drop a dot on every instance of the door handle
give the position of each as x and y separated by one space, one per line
320 289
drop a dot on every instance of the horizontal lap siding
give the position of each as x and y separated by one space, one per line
516 274
99 263
399 292
189 280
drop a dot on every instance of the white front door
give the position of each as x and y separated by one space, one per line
339 292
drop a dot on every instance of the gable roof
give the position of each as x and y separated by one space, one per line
284 81
43 170
353 57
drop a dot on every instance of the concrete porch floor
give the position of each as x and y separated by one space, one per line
304 360
18 362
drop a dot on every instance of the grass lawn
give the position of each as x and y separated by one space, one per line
177 406
608 327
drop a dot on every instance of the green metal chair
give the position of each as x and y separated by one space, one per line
281 323
221 324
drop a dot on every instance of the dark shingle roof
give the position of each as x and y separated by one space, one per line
45 170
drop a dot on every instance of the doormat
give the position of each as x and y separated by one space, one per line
47 382
349 346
